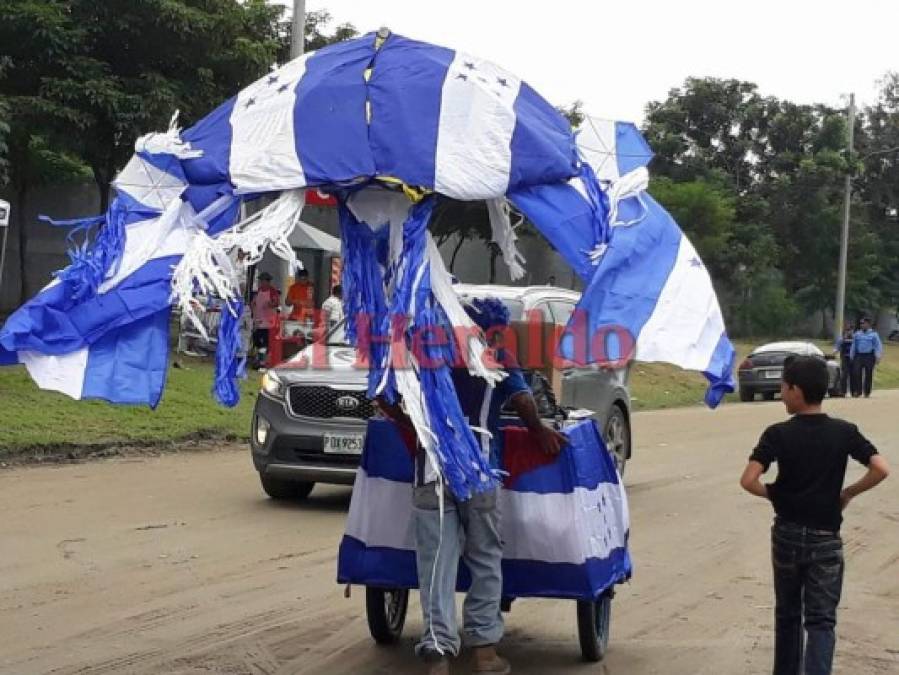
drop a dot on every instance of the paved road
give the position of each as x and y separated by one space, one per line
178 564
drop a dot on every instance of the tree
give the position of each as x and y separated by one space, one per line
573 112
38 40
782 167
120 68
877 185
316 36
710 128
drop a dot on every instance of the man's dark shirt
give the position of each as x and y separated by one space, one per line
811 452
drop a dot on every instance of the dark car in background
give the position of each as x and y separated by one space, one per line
761 371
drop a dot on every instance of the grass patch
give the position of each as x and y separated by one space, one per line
33 420
659 385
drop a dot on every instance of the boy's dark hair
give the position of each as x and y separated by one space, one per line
809 373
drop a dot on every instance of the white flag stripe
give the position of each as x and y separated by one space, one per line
686 324
574 526
169 234
147 184
63 373
263 145
474 138
381 512
596 141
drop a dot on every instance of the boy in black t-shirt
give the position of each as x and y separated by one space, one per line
811 451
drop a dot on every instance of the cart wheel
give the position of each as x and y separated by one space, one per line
593 620
386 611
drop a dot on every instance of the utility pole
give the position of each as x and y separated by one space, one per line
844 237
298 29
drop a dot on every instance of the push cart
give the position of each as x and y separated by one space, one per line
575 550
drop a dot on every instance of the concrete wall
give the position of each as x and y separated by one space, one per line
46 245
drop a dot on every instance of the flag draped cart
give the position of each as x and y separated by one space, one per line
564 524
387 126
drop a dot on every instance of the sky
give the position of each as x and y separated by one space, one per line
617 56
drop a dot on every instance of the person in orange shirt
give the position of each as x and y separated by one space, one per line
301 298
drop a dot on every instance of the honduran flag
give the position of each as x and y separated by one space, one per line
648 295
426 115
564 523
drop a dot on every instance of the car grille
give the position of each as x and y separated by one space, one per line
325 403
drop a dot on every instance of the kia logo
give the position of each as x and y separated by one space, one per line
348 403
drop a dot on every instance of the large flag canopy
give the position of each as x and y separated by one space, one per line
384 123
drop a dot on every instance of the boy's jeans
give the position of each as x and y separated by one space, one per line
808 579
472 529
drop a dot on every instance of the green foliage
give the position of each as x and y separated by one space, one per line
758 184
92 75
573 112
317 35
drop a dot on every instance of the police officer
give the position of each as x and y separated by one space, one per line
843 349
865 354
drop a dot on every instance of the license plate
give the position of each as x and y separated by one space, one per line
343 444
773 374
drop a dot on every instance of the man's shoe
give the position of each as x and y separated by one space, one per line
438 664
487 661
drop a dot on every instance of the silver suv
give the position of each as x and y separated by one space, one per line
310 418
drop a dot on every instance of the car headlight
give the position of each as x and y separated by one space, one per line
272 385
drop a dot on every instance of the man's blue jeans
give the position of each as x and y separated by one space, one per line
808 580
471 529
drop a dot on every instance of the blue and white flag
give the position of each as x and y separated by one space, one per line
355 117
565 524
425 115
648 295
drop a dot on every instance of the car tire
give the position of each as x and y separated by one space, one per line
287 490
617 435
746 394
385 609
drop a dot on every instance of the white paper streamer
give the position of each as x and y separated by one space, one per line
503 234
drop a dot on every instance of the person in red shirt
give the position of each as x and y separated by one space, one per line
301 298
264 307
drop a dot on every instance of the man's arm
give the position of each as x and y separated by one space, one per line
878 469
852 348
395 412
751 479
551 441
878 347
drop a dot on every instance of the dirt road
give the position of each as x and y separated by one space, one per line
178 564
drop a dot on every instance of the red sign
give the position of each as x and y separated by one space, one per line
318 198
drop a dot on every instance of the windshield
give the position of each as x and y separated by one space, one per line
336 337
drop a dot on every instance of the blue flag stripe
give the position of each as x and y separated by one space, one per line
405 90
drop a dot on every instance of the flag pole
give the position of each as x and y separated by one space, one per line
298 29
